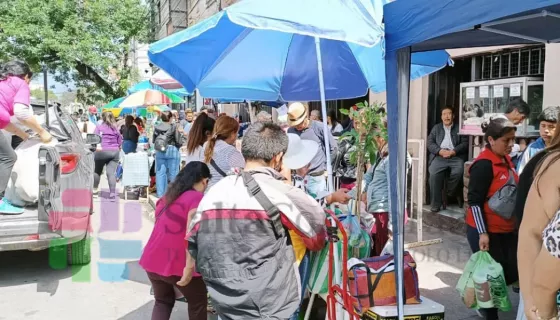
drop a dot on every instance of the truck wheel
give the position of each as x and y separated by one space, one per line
79 253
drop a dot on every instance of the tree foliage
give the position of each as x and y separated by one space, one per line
87 41
39 94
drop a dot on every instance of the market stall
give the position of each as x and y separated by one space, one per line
460 24
286 50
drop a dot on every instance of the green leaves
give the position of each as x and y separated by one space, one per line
86 41
369 125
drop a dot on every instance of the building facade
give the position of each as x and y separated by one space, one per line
139 61
170 16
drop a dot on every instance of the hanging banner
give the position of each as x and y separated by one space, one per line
515 90
498 91
470 93
483 91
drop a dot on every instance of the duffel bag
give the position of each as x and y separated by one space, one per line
372 282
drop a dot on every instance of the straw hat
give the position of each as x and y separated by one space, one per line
297 113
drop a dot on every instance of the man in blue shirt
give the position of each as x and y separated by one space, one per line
547 125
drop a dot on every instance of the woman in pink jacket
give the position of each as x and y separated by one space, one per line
14 100
165 257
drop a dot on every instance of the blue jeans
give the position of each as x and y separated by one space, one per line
167 168
129 146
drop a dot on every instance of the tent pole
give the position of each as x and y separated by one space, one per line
330 185
398 84
45 85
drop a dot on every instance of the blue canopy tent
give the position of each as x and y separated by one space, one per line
410 28
285 50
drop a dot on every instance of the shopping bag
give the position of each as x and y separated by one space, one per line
465 286
119 171
490 284
357 237
318 279
483 284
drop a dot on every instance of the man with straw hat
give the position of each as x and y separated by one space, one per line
307 129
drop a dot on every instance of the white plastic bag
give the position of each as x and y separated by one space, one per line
23 187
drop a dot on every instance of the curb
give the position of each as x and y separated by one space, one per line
444 222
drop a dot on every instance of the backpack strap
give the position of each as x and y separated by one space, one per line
271 210
217 168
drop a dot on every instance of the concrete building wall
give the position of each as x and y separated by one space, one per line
552 76
417 117
139 60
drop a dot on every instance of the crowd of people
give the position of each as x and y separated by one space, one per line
238 224
276 187
512 199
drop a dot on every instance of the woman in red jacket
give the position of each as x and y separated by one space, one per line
490 221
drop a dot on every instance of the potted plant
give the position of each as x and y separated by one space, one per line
368 125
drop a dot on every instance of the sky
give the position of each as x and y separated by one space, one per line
58 87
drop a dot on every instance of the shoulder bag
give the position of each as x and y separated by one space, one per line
503 201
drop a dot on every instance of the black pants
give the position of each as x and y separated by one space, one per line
438 168
195 293
110 160
503 249
8 158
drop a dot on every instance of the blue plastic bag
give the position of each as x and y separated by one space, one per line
119 172
354 231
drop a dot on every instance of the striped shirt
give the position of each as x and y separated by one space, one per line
227 158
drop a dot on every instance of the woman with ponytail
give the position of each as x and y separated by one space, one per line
15 101
219 151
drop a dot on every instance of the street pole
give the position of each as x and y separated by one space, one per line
46 87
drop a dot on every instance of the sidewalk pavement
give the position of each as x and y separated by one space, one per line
439 268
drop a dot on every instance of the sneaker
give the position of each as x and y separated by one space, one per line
112 197
9 209
95 193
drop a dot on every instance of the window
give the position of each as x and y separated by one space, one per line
514 69
510 63
524 63
534 63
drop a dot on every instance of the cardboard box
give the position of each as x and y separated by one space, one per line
427 310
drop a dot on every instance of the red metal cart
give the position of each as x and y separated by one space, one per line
337 294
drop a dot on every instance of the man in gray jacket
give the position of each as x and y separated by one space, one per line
243 233
448 153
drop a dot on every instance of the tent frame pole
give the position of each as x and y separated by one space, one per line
488 26
330 185
541 14
513 35
398 87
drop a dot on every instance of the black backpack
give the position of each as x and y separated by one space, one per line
164 139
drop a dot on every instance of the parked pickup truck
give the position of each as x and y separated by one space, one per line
61 217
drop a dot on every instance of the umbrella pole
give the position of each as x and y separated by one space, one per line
330 185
